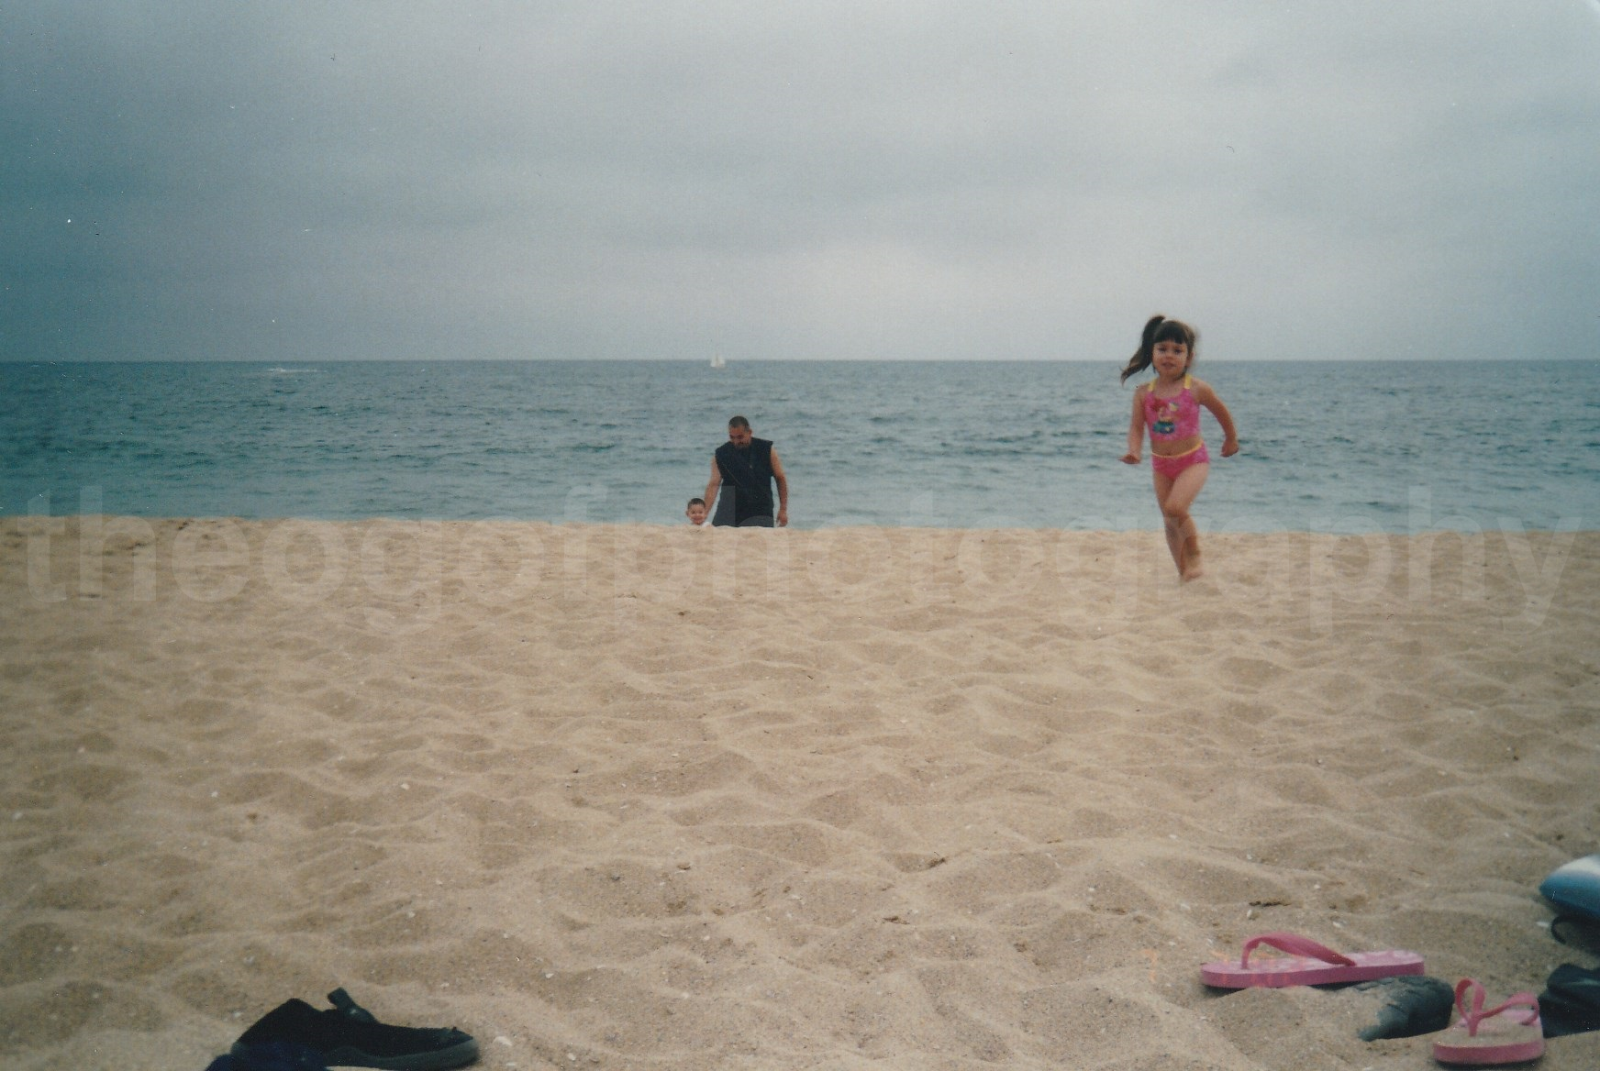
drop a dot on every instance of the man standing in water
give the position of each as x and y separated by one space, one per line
747 466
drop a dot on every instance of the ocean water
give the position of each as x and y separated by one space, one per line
1340 447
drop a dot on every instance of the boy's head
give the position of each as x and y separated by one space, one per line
696 511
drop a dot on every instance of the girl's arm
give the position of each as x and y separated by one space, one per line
1136 428
1208 398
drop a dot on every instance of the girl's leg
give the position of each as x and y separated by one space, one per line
1176 495
1174 540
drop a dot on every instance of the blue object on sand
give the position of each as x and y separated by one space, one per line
1575 887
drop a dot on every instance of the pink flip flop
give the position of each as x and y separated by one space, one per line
1489 1038
1308 963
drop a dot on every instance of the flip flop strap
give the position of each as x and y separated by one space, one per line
1475 1014
1295 945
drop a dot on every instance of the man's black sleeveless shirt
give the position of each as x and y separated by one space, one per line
746 482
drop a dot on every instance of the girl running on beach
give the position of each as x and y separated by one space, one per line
1169 406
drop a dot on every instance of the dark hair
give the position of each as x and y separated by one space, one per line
738 422
696 502
1159 329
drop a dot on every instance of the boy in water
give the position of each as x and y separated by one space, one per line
696 512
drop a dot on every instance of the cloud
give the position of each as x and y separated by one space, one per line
1024 180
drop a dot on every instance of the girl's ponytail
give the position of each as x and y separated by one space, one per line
1147 347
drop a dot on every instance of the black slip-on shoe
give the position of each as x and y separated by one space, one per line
270 1056
347 1035
1413 1004
1570 1003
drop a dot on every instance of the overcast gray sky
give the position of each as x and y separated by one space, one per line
199 179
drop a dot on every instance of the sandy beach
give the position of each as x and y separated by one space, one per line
656 798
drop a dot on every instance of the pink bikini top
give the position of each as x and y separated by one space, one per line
1172 418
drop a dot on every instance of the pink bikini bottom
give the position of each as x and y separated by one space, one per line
1171 466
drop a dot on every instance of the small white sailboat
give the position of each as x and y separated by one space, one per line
717 361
